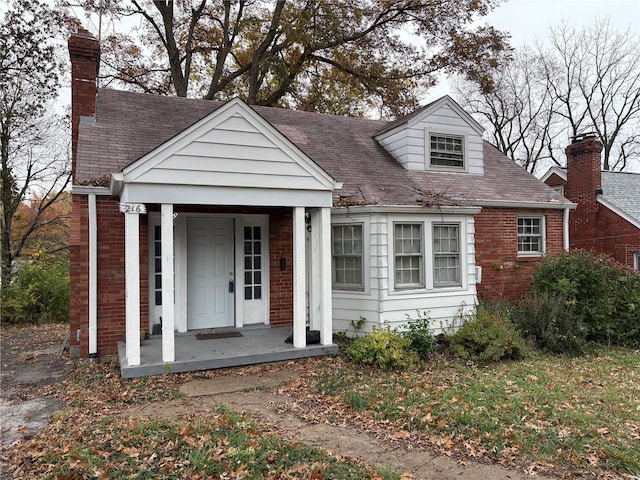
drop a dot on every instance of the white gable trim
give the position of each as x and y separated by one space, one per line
235 107
621 213
432 108
561 172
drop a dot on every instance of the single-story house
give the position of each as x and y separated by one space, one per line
607 217
191 215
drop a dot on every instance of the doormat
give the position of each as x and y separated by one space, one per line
212 336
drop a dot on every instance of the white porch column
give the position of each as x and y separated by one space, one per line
132 279
168 301
315 288
326 310
299 287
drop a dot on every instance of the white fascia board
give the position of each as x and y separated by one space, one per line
413 209
211 121
621 213
515 204
117 182
89 189
562 173
203 195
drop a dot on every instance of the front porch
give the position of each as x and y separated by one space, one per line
259 344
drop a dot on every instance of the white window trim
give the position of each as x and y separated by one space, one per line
636 260
543 228
338 220
427 221
422 283
433 255
347 287
446 132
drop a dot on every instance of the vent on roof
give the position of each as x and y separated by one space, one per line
583 136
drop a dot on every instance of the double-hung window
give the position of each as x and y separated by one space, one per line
408 255
446 151
347 257
446 255
530 235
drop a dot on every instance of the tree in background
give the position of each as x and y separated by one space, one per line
587 80
331 56
32 151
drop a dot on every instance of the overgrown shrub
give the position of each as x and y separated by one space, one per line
383 348
550 322
418 332
39 293
606 295
487 337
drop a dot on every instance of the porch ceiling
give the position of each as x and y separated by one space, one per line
257 345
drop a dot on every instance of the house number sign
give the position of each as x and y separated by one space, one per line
133 208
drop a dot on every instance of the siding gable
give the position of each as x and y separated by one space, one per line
231 147
408 142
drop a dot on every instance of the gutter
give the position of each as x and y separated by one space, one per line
553 205
93 277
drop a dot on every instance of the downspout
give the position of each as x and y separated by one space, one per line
93 277
565 230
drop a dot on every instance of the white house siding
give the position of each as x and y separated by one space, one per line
407 142
380 304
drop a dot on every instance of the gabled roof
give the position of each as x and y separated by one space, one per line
129 125
620 192
425 111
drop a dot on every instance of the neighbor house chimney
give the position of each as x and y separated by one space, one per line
584 184
84 51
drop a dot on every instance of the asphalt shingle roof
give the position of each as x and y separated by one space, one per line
129 125
622 189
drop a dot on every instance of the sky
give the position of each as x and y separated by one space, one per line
530 20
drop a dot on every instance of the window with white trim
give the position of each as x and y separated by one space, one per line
446 151
446 255
531 235
347 254
408 255
636 260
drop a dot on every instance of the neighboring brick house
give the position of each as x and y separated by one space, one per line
607 217
208 214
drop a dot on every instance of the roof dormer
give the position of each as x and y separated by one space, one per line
439 137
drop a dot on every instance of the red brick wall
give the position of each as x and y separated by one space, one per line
110 273
281 291
609 234
505 275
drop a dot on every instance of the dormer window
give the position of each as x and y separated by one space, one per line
446 151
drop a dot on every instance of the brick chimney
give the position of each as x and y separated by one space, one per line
84 51
584 183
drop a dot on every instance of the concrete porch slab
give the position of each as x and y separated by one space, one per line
256 345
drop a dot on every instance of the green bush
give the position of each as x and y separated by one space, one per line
550 322
487 337
38 293
606 294
418 332
383 348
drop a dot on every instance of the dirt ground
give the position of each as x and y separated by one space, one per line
32 364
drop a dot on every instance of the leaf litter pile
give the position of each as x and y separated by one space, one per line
569 417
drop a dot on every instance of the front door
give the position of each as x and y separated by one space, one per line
210 277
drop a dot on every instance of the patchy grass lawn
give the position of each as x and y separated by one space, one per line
567 415
91 439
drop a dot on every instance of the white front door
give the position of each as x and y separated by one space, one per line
210 273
